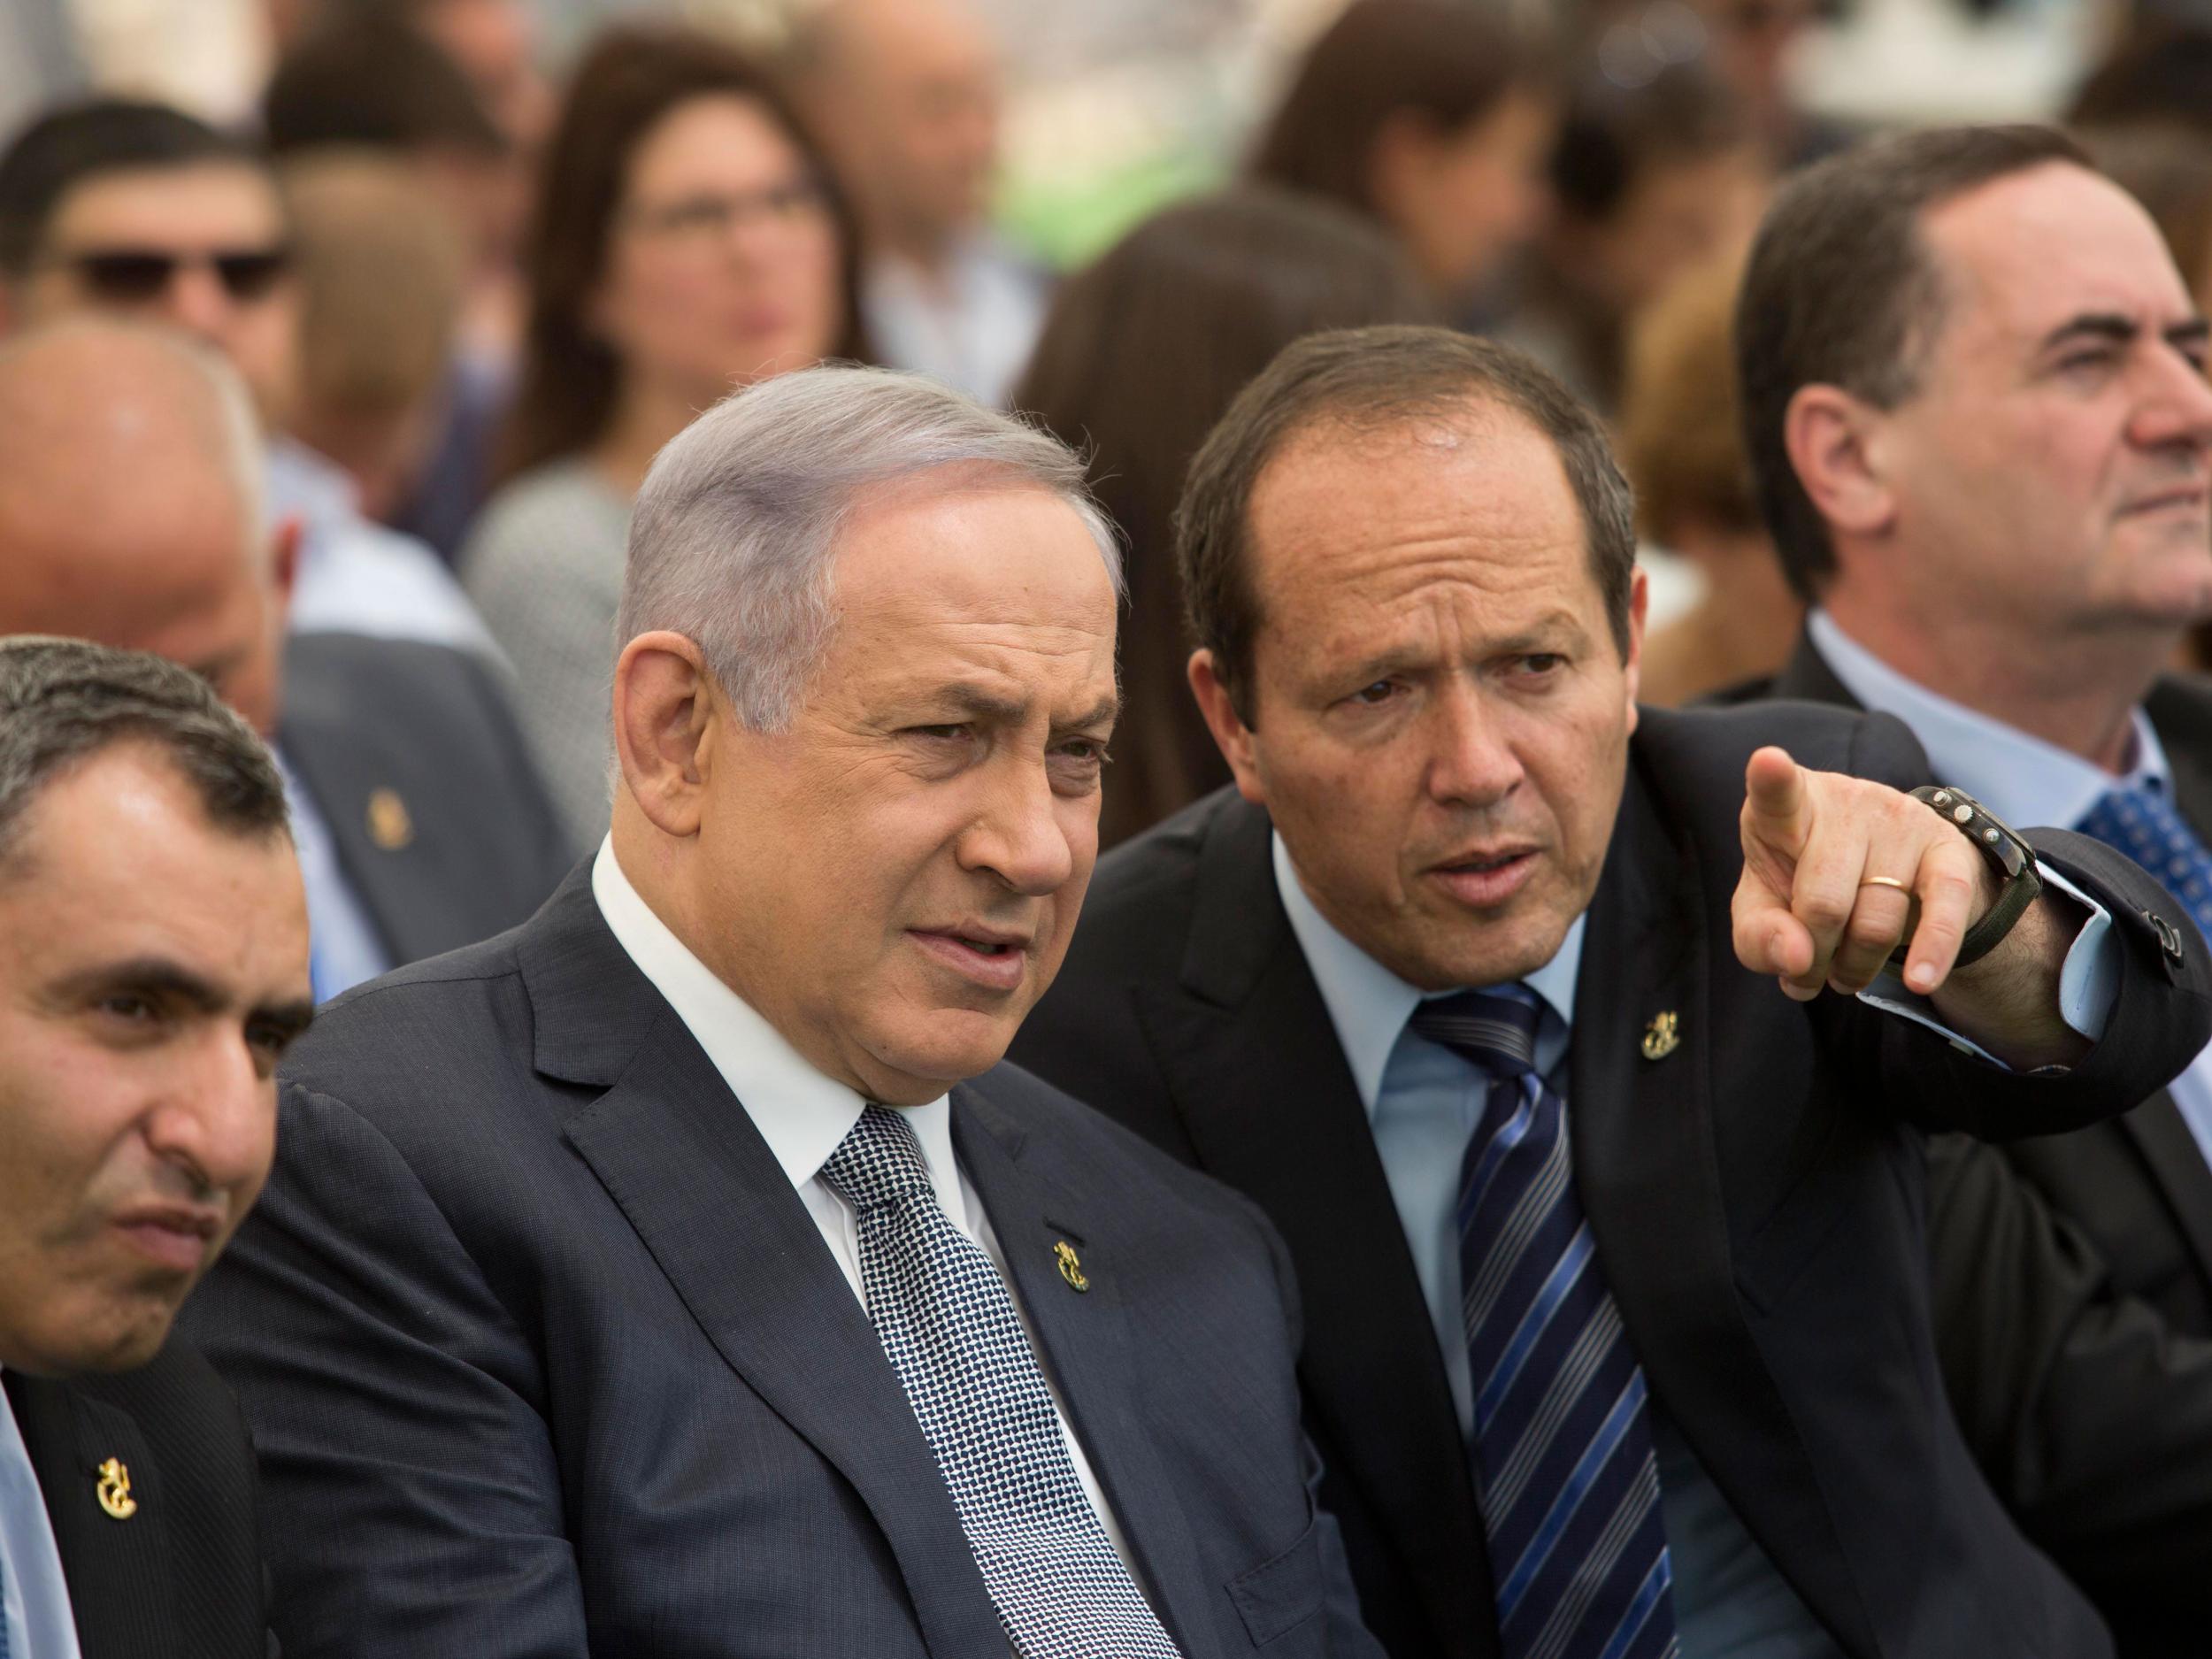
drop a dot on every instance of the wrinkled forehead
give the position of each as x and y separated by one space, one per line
1372 511
2027 253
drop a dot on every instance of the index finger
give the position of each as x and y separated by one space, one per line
1775 797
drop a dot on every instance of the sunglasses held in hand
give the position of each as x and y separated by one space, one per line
135 275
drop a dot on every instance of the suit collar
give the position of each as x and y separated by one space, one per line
2019 776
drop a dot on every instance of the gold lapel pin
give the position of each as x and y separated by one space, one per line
1662 1036
1071 1266
391 826
115 1490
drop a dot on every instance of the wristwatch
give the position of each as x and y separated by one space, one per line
2000 844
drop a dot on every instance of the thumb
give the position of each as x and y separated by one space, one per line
1777 805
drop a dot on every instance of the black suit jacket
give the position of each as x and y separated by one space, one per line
1756 1195
2073 1298
544 1354
180 1578
475 846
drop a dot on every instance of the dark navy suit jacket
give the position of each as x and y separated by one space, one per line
543 1354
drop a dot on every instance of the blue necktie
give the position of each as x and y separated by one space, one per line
2143 823
1570 1484
949 1325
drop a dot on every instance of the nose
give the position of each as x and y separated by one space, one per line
1470 762
1017 835
2178 411
195 300
217 1124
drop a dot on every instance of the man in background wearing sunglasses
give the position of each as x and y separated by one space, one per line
138 210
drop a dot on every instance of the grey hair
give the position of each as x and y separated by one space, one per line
62 701
734 535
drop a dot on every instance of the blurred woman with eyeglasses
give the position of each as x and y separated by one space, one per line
687 242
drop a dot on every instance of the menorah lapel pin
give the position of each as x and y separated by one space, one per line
115 1490
1071 1265
1662 1036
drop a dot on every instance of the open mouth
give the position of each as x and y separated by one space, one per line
993 961
1487 879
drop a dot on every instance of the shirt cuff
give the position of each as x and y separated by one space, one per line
2088 981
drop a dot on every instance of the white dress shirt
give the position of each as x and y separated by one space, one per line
803 1116
2022 779
39 1624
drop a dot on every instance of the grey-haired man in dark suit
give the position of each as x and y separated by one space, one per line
682 1272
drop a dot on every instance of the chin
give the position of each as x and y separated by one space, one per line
957 1046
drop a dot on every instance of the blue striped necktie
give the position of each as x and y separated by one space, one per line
1569 1485
2143 823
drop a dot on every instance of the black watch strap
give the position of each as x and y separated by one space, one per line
2013 858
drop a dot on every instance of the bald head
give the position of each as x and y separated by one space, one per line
905 93
130 503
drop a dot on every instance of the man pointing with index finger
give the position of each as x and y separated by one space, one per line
1612 1256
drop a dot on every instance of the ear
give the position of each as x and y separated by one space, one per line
1232 736
1831 436
1639 609
665 712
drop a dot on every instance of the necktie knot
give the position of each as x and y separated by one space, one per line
1497 1032
878 1162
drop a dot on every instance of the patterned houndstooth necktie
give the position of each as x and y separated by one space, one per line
949 1325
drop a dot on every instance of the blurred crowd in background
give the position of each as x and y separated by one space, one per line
477 260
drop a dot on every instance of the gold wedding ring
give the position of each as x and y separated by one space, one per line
1887 882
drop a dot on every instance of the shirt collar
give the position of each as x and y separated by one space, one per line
800 1113
1369 1004
2020 778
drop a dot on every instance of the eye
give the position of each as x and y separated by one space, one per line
129 1007
1374 694
940 734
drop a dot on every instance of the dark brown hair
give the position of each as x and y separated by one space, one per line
1841 290
1141 354
374 82
1372 380
630 80
1446 61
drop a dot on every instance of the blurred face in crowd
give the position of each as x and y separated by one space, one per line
722 268
123 519
201 247
152 968
909 103
1440 716
2052 462
494 43
1677 214
1464 199
893 880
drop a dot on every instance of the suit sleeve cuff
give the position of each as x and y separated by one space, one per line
2088 980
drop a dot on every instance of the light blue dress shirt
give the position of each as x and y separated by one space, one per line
36 1601
343 946
1423 1103
2022 779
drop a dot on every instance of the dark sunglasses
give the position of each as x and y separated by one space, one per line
134 275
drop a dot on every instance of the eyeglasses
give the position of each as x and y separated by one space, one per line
131 276
706 216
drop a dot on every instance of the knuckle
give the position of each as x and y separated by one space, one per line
1824 911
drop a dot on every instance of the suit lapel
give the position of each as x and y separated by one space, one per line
675 1150
1087 1347
1648 1171
122 1586
2159 1132
1271 1107
339 775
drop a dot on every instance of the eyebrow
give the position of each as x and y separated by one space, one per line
2118 329
1544 635
989 705
159 975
